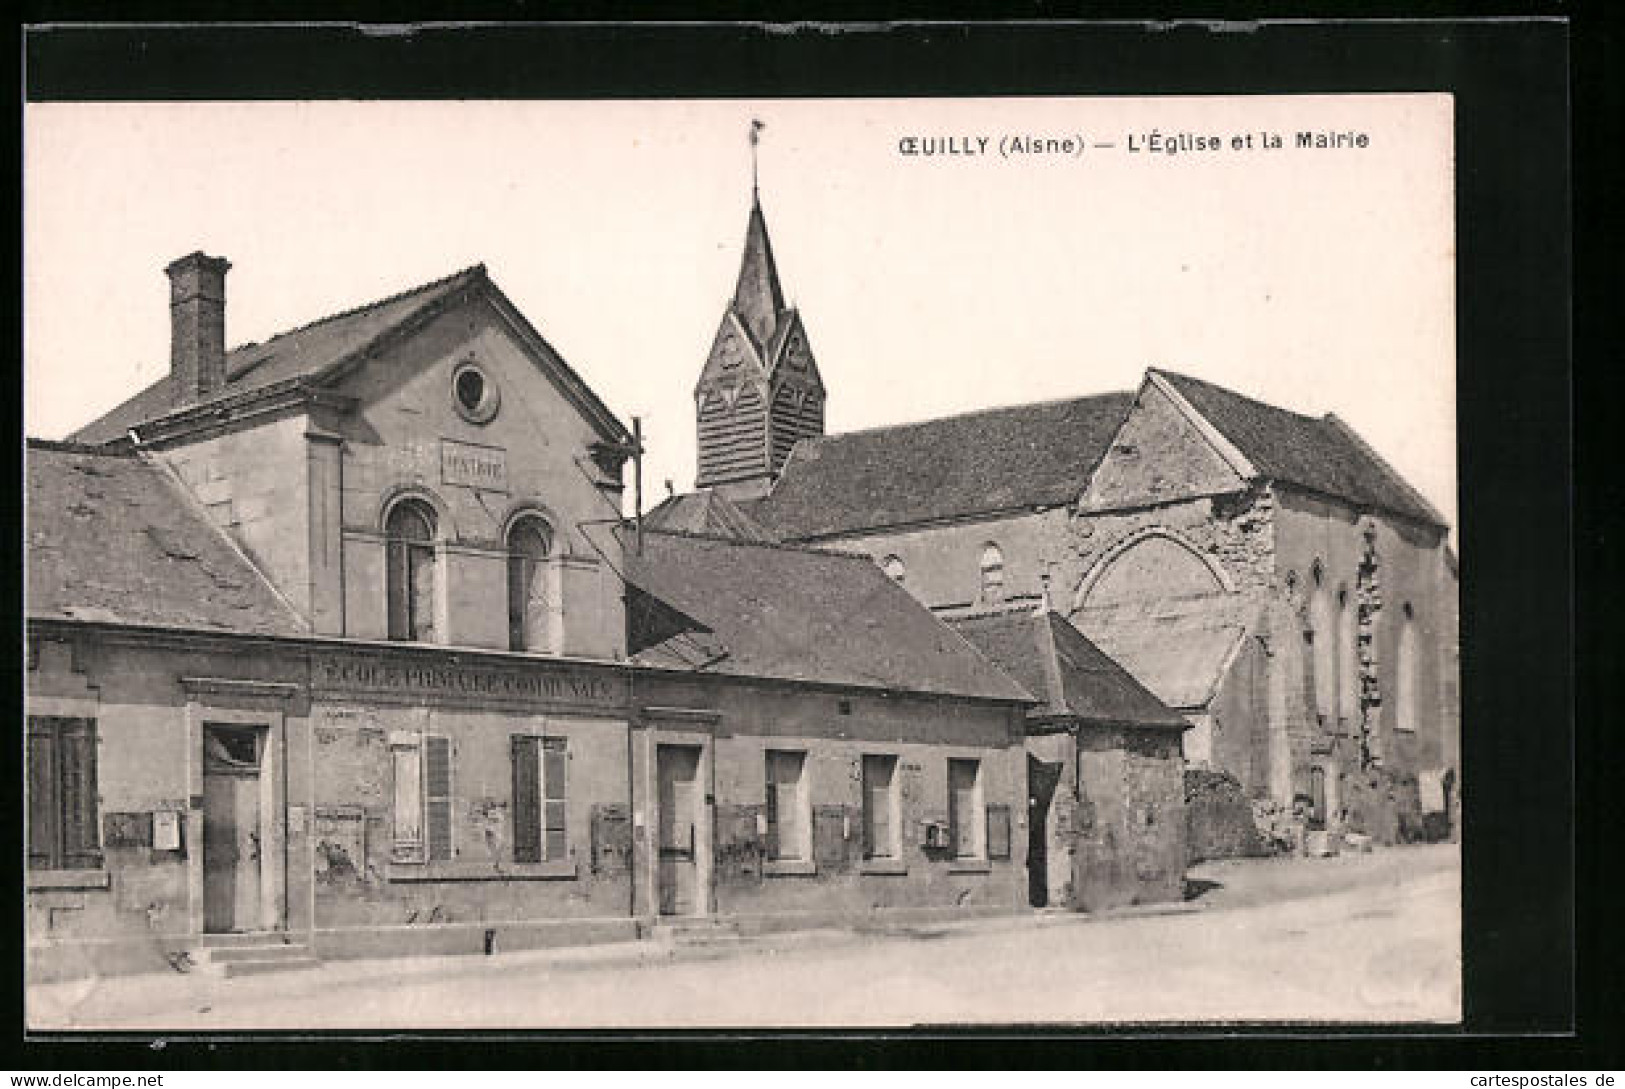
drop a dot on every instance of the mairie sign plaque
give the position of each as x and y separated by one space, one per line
483 467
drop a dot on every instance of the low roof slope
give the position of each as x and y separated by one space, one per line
1180 648
999 459
1073 677
799 614
1321 454
113 539
707 512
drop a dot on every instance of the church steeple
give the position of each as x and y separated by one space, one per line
759 392
758 300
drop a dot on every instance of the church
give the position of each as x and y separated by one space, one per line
1265 574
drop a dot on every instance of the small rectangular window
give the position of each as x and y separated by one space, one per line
789 816
967 821
540 798
880 816
62 816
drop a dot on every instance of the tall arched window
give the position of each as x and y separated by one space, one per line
1323 635
409 535
529 542
1348 658
992 573
1405 704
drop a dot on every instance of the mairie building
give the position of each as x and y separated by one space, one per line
339 645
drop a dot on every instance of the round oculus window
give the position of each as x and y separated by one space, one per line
474 394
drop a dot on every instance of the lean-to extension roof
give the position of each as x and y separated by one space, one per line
707 512
111 538
1057 663
1179 648
797 614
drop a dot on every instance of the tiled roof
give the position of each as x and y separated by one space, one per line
303 352
1321 454
1179 648
707 512
800 614
1053 660
999 459
114 539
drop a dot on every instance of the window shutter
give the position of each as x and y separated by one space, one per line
400 624
437 796
421 563
554 798
44 829
527 820
998 831
771 809
81 841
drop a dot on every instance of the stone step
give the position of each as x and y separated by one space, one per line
246 938
695 931
259 967
233 953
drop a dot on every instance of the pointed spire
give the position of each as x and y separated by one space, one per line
758 300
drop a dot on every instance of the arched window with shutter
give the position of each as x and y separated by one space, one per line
409 543
530 542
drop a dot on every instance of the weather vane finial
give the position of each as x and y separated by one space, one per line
756 127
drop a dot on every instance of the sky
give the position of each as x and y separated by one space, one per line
1317 279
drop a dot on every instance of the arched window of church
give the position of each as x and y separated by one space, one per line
1323 640
409 546
1348 658
530 541
1405 703
894 568
992 573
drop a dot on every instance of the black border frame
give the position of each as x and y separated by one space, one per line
1513 85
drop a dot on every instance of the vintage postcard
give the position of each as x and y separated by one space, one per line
741 564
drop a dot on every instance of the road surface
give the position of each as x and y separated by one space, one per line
1360 938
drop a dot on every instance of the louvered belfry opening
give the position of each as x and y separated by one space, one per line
759 393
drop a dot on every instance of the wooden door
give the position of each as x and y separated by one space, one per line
677 772
232 834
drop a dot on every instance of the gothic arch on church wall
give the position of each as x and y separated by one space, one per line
1150 563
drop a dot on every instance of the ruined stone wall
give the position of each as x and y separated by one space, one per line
1130 819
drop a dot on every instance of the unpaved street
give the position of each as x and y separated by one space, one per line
1367 937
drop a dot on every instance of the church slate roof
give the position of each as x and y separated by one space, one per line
799 614
998 459
113 539
1323 454
707 512
1052 659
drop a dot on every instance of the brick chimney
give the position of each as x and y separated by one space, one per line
197 321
